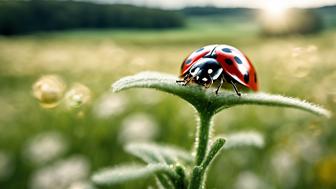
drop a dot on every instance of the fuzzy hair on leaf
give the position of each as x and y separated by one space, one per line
121 174
243 139
201 98
154 153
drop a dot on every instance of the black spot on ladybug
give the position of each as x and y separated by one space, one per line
237 59
228 61
246 78
199 50
227 50
188 61
255 77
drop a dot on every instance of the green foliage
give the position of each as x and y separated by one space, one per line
207 103
206 11
17 17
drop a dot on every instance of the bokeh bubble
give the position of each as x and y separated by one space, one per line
77 96
49 90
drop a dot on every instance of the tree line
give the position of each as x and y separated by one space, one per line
20 17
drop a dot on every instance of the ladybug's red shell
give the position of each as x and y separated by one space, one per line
234 63
193 57
237 65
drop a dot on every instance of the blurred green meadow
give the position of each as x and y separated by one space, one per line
61 147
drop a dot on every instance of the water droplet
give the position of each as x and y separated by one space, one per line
49 90
77 96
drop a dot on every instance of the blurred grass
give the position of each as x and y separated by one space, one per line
299 66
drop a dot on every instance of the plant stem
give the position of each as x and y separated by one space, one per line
203 134
202 140
196 181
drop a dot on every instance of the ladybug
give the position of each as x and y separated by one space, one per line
218 62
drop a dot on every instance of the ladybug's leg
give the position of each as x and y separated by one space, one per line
230 80
208 85
182 80
220 84
185 80
235 88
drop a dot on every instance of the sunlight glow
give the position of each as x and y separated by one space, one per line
275 8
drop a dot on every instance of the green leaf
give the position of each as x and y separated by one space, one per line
154 153
116 175
243 139
183 181
214 149
200 97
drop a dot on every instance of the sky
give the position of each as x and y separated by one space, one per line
171 4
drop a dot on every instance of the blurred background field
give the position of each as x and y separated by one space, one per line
59 146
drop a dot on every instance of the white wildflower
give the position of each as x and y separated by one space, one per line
249 180
81 185
110 105
283 164
45 147
148 97
138 127
61 174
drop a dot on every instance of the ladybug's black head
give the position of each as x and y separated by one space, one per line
205 71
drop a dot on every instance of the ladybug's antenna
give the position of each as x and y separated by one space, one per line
212 54
212 51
